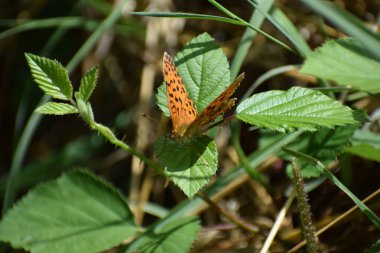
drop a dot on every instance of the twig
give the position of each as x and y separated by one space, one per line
277 223
235 220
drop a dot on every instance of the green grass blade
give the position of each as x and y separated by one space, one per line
256 20
348 24
91 41
19 155
368 212
187 15
232 15
64 22
165 239
267 75
285 26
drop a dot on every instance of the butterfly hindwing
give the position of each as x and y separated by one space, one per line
217 107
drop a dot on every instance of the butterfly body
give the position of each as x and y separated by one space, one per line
187 123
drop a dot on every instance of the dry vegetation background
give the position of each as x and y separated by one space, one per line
130 71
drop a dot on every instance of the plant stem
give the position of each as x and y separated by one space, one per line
307 226
234 219
107 133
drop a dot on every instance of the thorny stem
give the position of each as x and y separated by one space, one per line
308 229
107 133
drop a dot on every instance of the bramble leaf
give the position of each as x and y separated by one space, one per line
88 83
297 108
346 62
78 213
50 76
56 108
189 165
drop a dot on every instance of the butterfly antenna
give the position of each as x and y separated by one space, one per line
150 118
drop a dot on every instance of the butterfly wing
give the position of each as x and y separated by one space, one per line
217 107
181 107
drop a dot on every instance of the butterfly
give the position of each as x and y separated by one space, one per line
186 121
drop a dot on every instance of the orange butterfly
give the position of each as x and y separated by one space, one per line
186 121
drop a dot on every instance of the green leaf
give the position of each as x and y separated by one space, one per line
56 108
349 24
324 145
189 165
174 237
204 70
162 100
365 144
78 213
50 76
364 136
366 151
296 108
88 83
345 62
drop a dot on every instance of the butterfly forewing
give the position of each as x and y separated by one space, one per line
217 107
181 107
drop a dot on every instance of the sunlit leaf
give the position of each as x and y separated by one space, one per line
88 83
190 164
365 144
346 62
297 108
78 213
349 24
50 76
56 108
